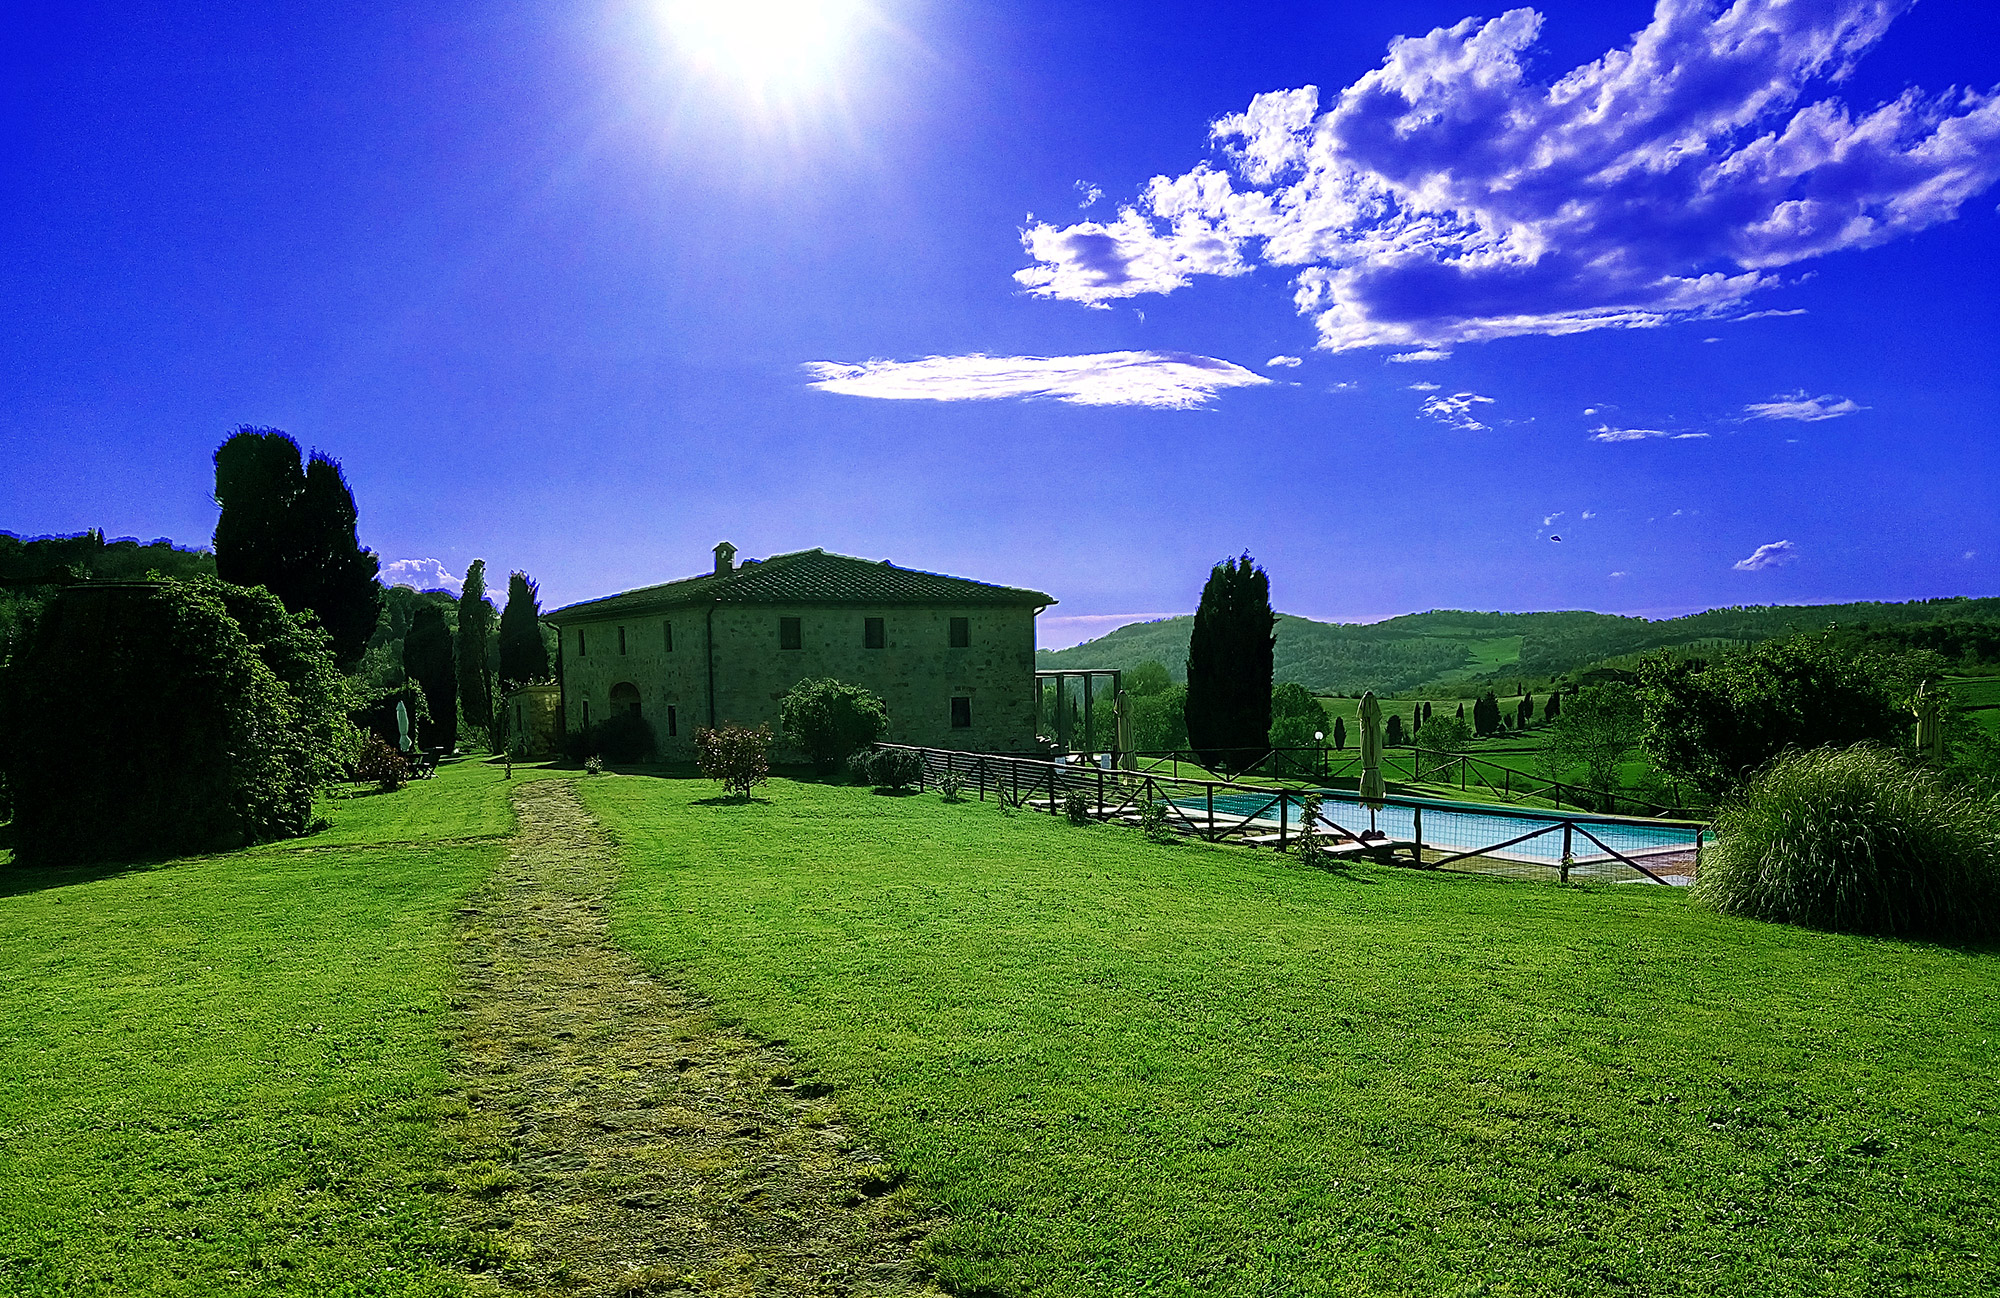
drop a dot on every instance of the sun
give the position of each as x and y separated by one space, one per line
767 45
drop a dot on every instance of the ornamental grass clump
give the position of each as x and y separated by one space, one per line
1857 840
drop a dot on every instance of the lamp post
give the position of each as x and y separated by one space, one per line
1319 737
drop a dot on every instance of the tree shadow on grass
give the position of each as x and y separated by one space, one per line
731 800
19 878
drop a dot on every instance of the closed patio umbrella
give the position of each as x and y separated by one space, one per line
1371 750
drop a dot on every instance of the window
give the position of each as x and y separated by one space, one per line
788 633
669 628
621 642
961 633
582 649
673 721
625 698
872 636
961 713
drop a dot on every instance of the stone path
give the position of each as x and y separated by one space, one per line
640 1147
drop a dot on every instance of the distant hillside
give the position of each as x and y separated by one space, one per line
1451 646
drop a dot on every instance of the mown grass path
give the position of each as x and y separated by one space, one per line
649 1147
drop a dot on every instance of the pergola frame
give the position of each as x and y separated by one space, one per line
1120 745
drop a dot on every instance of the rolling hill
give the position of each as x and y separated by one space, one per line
1451 646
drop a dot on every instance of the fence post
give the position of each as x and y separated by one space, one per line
1567 828
982 778
1417 815
1697 851
1211 813
1284 800
923 765
1100 790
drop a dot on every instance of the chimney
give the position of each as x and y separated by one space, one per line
725 558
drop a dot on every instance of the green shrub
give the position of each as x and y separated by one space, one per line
380 765
861 767
895 769
1857 840
831 720
1153 820
1297 752
142 721
1076 807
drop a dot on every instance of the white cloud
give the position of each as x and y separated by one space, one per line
1457 410
1423 387
1797 405
1090 192
1620 574
1349 386
1427 354
1970 554
1166 380
1589 513
1550 521
421 574
1286 362
1772 315
1446 197
1774 555
1606 433
1711 340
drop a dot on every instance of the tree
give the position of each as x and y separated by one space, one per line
1553 708
475 621
1486 714
1461 712
1713 723
1340 733
1602 725
289 526
830 719
1392 733
524 659
141 720
734 756
1146 680
1524 711
432 665
1159 721
1229 666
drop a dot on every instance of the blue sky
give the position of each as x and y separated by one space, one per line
1015 291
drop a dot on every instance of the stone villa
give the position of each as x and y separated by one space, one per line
953 659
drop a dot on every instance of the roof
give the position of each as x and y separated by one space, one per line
805 577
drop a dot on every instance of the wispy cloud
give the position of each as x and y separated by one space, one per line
1090 192
1349 386
1797 405
421 574
1446 197
1620 574
1423 387
1457 410
1165 380
1606 433
1418 357
1775 555
1283 362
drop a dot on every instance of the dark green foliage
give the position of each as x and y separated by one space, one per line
289 527
895 769
431 662
1340 733
1076 807
829 720
1449 736
524 658
1713 723
376 714
1153 822
1296 751
1553 708
622 739
1229 666
1486 715
31 570
143 722
1524 711
1392 729
1159 721
298 653
1603 724
1145 680
1858 840
475 622
736 757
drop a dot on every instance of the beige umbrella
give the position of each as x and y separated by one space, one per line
1371 750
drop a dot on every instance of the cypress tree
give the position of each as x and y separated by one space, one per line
1461 712
1427 712
1229 666
524 659
1392 733
1339 733
1486 714
475 620
1553 708
289 526
429 660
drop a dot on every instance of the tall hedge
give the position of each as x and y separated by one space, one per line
431 660
145 722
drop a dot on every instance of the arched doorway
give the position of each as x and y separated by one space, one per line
625 698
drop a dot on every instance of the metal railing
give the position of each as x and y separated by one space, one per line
1428 832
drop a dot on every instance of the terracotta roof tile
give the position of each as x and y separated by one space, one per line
805 577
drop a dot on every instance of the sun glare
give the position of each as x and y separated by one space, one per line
768 45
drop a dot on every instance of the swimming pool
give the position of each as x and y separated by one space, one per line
1466 826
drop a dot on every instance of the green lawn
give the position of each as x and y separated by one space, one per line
228 1073
1124 1068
